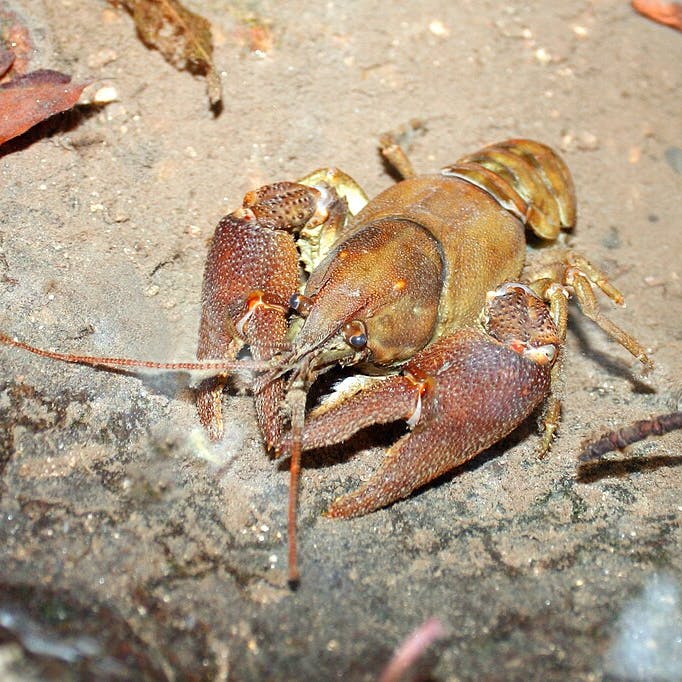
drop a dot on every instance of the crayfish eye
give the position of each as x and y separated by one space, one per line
301 304
355 334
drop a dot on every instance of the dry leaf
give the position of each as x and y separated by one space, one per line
182 37
6 60
668 13
27 98
15 40
32 98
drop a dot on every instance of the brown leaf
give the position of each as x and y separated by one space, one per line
15 40
32 98
182 37
668 13
6 60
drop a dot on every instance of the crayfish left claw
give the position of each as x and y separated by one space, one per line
252 271
479 392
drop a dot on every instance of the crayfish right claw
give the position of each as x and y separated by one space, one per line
459 396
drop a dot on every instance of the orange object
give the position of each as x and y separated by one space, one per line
668 13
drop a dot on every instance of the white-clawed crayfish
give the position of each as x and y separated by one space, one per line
427 289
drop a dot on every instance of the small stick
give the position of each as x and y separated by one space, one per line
617 440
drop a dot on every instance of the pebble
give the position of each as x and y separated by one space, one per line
587 141
102 58
673 155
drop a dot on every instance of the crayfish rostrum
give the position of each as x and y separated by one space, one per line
430 290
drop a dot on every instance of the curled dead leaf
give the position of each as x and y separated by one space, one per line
15 41
30 99
182 37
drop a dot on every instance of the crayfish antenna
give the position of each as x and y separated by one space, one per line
296 399
212 367
627 435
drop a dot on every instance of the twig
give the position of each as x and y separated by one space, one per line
617 440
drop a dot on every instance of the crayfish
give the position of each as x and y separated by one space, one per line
430 290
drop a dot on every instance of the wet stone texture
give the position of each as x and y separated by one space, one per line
131 548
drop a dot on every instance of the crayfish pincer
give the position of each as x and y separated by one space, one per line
428 290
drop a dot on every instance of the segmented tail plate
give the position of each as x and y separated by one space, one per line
525 177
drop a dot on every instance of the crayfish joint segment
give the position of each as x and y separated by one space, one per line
338 196
422 385
256 301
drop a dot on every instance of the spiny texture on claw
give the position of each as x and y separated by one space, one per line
285 205
245 261
516 317
245 258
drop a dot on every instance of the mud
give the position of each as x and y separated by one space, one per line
132 548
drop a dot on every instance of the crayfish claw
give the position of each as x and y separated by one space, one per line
473 388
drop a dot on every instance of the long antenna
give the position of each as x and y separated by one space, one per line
116 363
297 400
